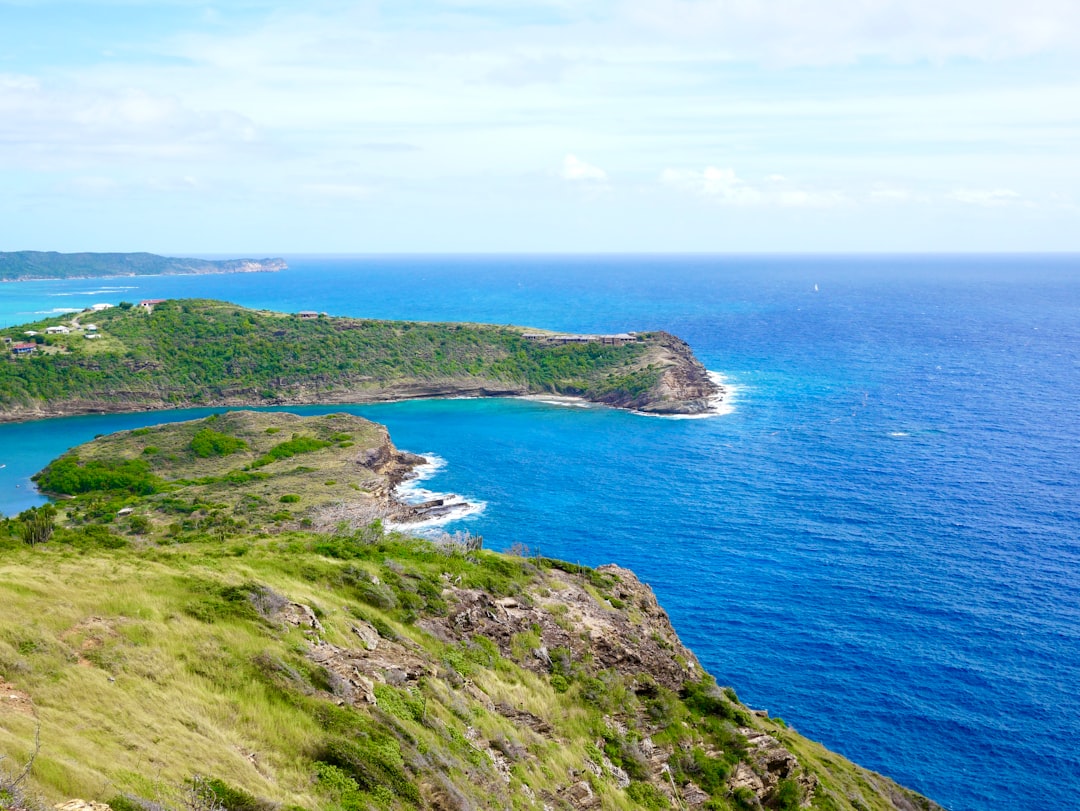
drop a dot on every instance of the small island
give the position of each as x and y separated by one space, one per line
159 354
216 614
25 266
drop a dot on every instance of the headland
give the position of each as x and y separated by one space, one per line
159 354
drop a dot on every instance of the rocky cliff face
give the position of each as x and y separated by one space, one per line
683 387
569 625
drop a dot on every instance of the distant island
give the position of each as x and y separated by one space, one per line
25 266
159 354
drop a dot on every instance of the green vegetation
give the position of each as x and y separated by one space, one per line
196 352
70 476
225 473
176 650
208 442
25 265
290 448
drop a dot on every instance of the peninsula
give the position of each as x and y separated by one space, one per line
24 266
215 616
184 353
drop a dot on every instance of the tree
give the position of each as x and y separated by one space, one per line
37 524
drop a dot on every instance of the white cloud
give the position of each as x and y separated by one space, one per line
576 170
992 198
723 185
892 194
55 127
841 31
338 191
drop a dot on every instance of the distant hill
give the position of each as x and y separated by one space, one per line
22 266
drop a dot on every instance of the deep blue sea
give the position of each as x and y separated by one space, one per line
880 542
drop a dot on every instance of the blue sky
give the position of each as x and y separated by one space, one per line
543 125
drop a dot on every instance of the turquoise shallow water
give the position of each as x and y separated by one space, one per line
881 542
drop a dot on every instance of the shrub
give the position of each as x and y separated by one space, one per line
37 524
372 762
139 524
788 795
289 448
401 703
341 788
709 772
219 794
70 477
207 443
648 795
289 498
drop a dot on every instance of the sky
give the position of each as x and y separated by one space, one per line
263 128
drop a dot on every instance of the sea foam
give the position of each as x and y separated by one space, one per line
411 491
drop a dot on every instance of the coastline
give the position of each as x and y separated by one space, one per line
138 275
436 509
384 395
720 404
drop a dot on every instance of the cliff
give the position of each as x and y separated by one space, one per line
208 353
176 643
21 266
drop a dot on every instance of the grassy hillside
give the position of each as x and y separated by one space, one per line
195 352
27 265
253 665
240 470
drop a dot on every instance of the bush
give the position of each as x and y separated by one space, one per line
207 443
70 477
289 448
648 795
37 524
219 794
139 524
371 762
788 795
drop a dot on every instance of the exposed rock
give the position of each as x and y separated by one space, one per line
618 774
82 805
299 615
368 635
357 670
683 388
580 795
772 762
524 718
694 796
611 639
745 777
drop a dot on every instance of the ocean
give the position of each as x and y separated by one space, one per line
878 541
